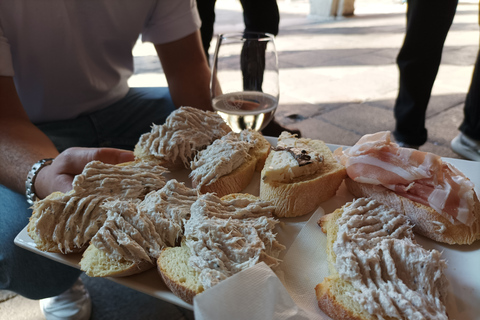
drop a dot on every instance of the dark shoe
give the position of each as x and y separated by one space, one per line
274 129
406 145
466 147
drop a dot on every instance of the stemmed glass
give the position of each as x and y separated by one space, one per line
244 84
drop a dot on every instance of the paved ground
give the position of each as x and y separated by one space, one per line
338 81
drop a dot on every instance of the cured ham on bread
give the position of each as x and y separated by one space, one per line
437 197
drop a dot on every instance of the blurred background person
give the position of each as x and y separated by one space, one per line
428 23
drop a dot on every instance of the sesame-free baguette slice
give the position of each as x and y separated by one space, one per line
178 276
240 178
186 131
141 229
97 263
238 213
304 195
426 220
332 294
233 182
66 222
387 263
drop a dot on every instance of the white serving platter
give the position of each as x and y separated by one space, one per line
463 261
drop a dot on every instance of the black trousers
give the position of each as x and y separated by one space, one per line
428 22
258 16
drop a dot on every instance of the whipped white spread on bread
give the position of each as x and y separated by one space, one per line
221 157
392 276
70 220
168 208
186 131
292 158
128 234
122 181
137 231
226 237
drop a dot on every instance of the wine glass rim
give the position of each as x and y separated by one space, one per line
247 35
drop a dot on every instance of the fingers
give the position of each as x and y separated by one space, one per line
74 159
60 174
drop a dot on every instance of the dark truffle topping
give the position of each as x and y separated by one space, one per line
301 155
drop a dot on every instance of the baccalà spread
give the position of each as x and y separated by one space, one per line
186 131
137 231
221 157
392 276
225 237
72 219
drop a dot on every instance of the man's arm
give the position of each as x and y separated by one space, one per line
22 144
187 72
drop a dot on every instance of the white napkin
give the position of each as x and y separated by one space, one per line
255 293
305 265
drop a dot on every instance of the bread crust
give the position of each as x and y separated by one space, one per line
300 197
97 263
240 178
326 291
234 182
177 283
426 220
329 304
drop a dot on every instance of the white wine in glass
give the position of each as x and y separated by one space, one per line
244 83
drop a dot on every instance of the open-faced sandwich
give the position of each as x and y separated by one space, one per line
228 164
377 271
222 237
438 199
65 222
186 131
299 174
134 233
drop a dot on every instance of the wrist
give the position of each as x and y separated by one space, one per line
32 176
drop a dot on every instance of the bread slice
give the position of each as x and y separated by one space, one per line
234 182
405 280
305 194
332 292
46 243
175 271
239 178
185 132
426 220
65 222
97 263
238 219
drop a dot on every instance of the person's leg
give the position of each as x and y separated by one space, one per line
471 121
467 143
121 124
418 61
206 10
261 16
22 271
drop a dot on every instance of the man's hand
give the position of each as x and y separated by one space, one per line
60 174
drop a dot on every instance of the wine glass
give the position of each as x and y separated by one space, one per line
244 84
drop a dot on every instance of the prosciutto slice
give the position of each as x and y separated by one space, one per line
419 176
